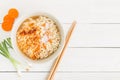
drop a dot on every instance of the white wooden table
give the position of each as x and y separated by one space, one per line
94 49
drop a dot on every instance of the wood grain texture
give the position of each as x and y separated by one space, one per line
89 35
64 10
104 11
78 59
63 76
94 49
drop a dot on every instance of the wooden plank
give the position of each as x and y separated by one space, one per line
87 11
76 59
94 35
64 10
88 76
62 76
104 11
89 35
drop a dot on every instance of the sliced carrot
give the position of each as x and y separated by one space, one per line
8 18
6 26
13 13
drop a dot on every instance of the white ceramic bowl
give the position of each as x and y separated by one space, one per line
17 25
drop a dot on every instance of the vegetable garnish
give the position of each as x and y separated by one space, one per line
7 26
13 12
4 51
9 19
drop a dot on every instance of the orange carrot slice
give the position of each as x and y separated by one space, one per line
8 18
13 13
6 26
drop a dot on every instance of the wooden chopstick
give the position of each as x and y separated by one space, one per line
55 66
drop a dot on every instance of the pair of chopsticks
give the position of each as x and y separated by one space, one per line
55 66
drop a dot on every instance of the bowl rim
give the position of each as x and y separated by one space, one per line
16 26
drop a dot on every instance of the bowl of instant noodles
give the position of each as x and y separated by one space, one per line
38 37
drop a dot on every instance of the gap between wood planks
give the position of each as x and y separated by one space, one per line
62 72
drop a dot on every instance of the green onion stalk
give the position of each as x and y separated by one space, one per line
4 51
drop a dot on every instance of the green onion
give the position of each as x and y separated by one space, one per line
4 51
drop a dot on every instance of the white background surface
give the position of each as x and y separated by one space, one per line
94 49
